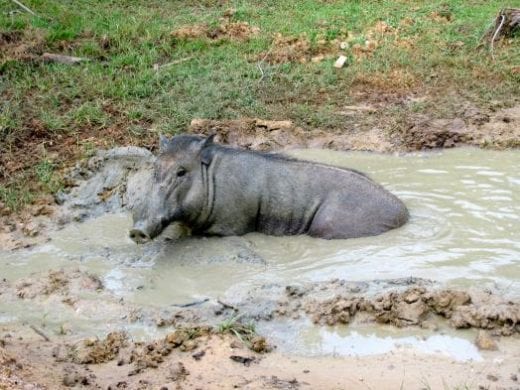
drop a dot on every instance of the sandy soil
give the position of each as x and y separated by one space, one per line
220 362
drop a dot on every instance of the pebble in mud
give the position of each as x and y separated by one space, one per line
485 342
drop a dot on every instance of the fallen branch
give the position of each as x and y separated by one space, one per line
40 333
62 59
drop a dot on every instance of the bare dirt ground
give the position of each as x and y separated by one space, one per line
221 363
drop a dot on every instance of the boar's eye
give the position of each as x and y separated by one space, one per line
181 172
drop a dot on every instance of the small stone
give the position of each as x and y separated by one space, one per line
412 297
514 377
340 61
492 377
177 338
485 342
189 345
198 355
259 344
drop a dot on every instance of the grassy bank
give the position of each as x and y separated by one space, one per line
268 59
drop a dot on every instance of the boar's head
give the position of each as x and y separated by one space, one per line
178 188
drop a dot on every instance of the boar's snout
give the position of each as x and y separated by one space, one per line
139 236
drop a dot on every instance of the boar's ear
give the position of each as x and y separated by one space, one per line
206 153
208 141
163 142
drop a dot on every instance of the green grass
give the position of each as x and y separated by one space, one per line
234 326
119 89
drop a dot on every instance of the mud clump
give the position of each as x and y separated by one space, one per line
414 306
259 344
255 134
95 351
495 129
485 342
298 49
437 134
239 31
21 46
146 355
501 318
142 355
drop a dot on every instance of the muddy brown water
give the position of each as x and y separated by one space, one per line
464 232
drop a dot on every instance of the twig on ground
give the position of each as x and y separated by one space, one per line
156 67
62 59
227 305
24 7
40 333
495 35
505 25
189 304
259 64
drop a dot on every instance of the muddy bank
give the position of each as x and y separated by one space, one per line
409 302
220 362
110 181
495 129
417 305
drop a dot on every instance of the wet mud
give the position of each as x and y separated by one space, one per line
417 305
149 345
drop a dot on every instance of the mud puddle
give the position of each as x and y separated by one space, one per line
366 340
465 210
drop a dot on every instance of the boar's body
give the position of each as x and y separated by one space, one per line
234 191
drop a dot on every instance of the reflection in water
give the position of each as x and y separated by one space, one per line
363 341
465 213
